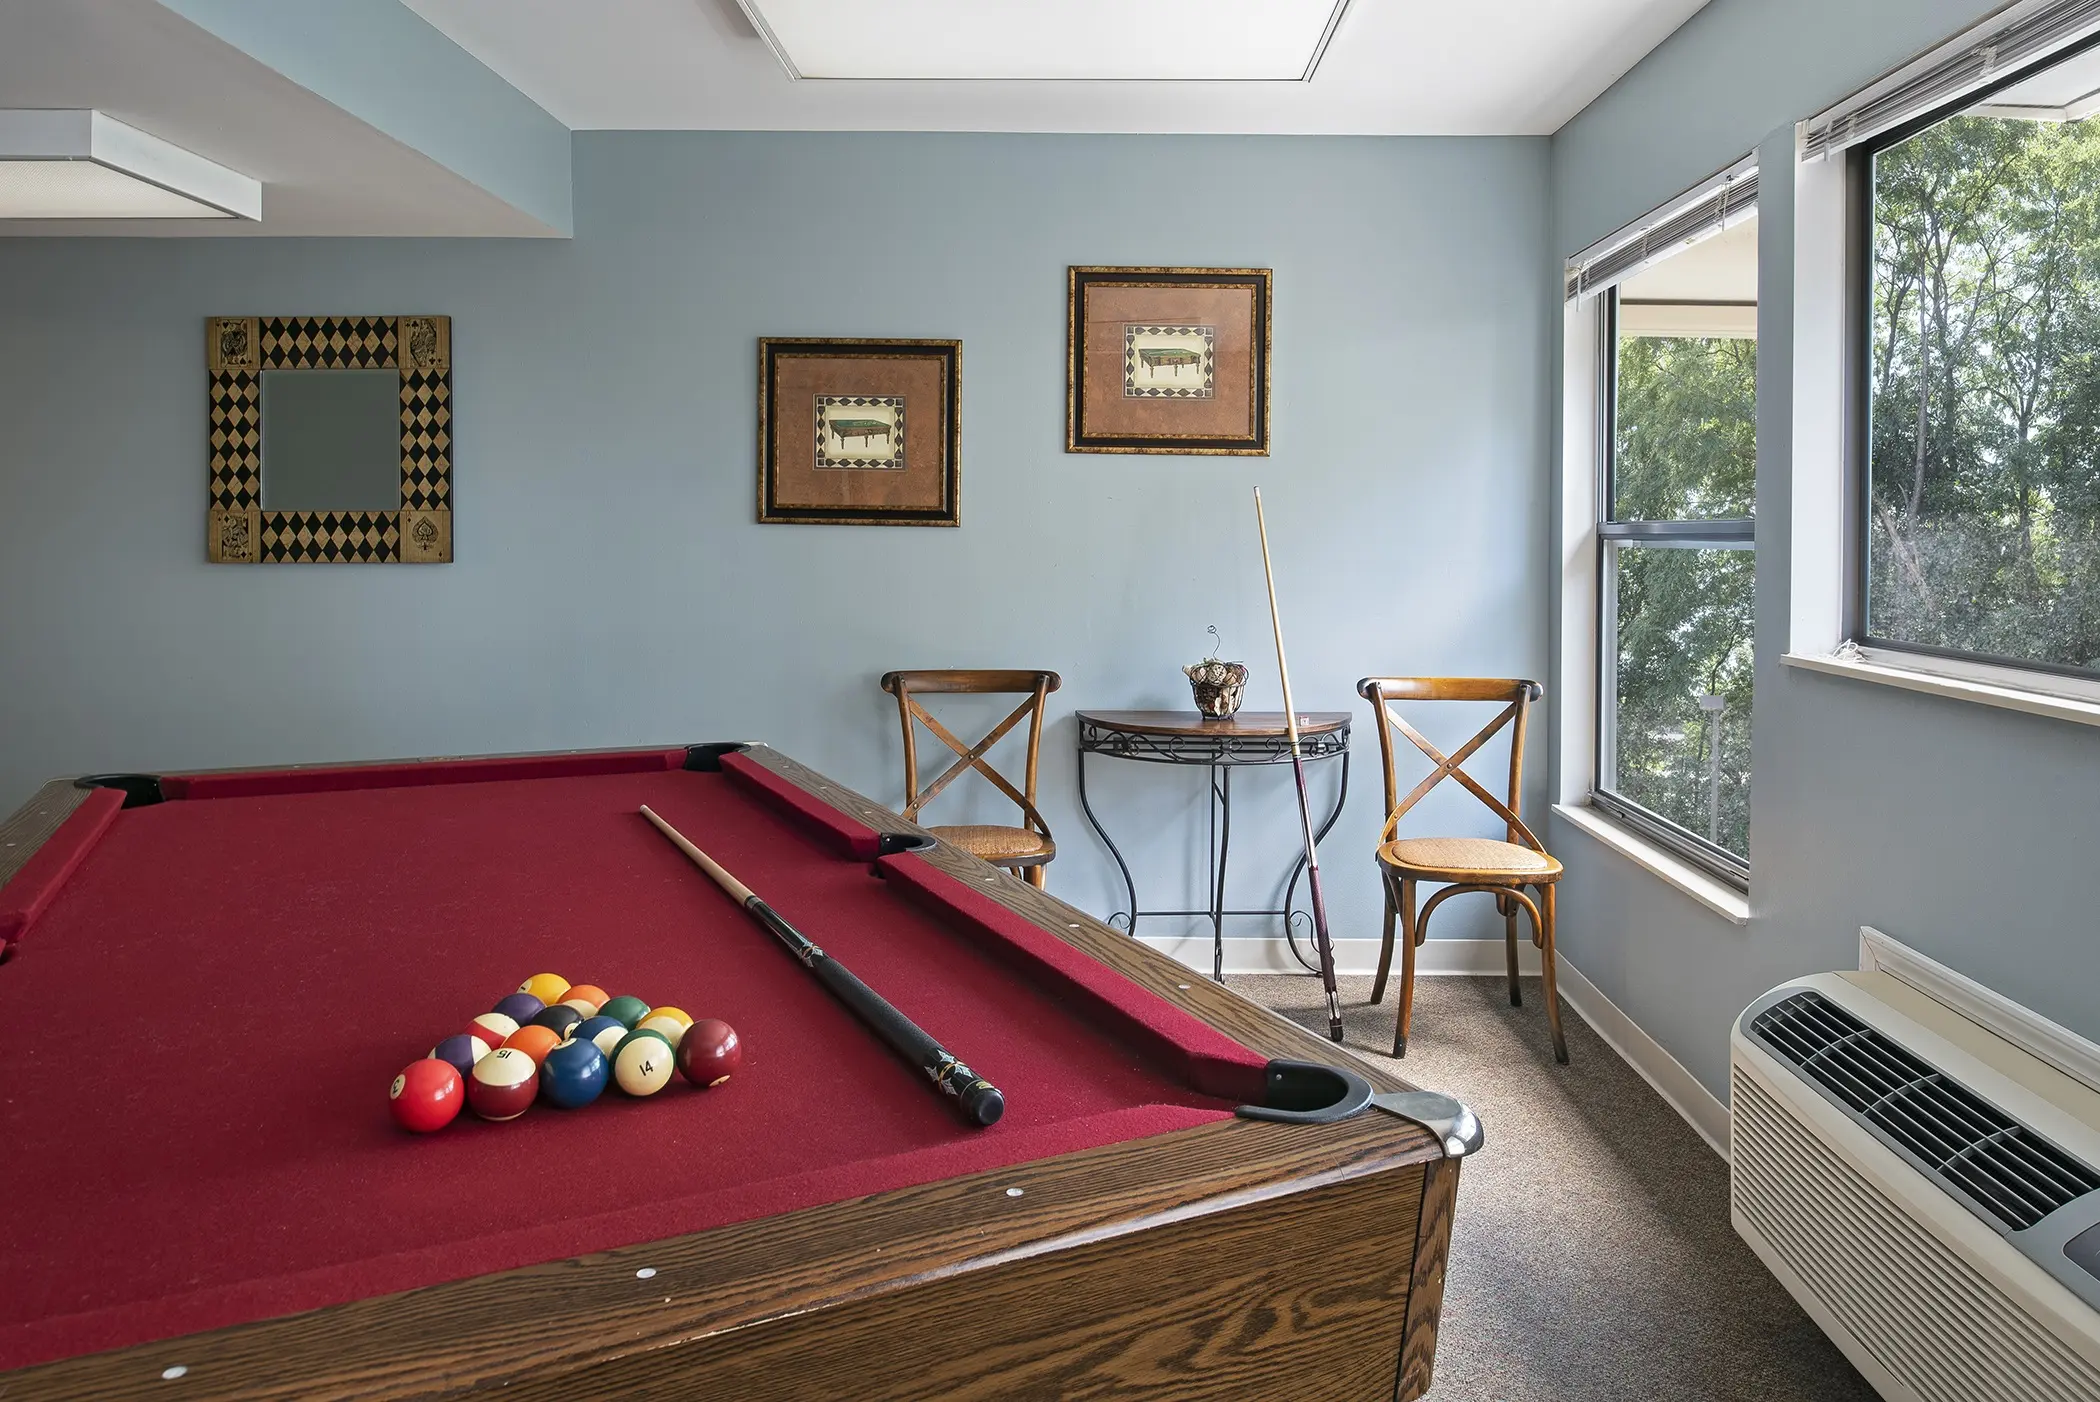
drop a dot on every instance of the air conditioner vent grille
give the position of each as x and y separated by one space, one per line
1993 1161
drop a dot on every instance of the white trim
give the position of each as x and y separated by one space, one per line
1679 1088
1717 896
1255 955
1940 681
1580 505
1816 609
1986 1007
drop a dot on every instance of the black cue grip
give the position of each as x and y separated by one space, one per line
978 1100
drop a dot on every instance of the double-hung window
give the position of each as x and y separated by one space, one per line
1676 592
1977 335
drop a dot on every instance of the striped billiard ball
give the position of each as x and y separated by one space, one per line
503 1085
460 1052
672 1029
493 1028
644 1063
602 1032
587 998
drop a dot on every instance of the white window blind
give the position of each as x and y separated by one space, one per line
1999 47
1719 202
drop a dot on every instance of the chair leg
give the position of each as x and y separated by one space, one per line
1509 930
1385 949
1408 940
1034 875
1560 1042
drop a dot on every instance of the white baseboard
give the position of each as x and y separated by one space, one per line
1679 1088
1248 955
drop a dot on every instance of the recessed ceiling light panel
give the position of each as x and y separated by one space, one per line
1072 40
83 165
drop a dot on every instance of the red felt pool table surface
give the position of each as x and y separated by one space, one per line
207 998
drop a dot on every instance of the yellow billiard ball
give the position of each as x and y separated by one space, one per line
548 988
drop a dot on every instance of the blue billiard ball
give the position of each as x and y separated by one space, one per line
573 1074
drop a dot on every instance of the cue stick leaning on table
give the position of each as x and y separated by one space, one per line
977 1099
1312 843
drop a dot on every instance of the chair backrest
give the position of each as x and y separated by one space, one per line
1516 696
907 687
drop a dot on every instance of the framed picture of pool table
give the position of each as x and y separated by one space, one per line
859 432
1167 360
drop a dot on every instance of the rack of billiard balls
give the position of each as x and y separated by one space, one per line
563 1043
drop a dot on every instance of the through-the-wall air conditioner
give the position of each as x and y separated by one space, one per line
1926 1188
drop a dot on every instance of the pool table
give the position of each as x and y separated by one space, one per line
209 981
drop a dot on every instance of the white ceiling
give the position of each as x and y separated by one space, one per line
1393 67
323 170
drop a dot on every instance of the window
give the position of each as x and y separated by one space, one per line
1979 339
1677 596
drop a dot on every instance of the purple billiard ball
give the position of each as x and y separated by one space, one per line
520 1008
461 1052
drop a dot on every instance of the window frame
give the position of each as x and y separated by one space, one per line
1858 394
1725 533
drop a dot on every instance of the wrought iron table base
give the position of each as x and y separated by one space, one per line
1220 760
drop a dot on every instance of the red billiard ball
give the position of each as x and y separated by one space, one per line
426 1096
710 1052
503 1085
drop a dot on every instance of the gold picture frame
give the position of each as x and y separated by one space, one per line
239 349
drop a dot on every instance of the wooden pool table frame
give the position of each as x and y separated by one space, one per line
1239 1260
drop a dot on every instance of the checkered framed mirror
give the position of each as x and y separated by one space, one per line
329 517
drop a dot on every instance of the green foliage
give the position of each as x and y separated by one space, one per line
1985 439
1685 449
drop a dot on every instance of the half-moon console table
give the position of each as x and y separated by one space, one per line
1185 737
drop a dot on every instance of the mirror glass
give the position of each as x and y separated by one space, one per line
331 440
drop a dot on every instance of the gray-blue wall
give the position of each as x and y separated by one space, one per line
1962 830
611 586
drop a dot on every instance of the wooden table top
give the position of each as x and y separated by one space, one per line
1247 723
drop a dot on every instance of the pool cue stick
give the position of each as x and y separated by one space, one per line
1312 843
977 1099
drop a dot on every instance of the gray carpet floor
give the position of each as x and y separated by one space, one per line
1591 1255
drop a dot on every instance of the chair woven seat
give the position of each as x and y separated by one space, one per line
1467 858
998 845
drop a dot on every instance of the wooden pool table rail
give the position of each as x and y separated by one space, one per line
951 1289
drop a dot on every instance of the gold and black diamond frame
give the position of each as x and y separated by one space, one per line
238 350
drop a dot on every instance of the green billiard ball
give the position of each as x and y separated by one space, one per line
626 1010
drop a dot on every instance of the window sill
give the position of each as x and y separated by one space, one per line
1717 896
1935 683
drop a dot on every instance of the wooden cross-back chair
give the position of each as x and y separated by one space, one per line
1023 850
1501 868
